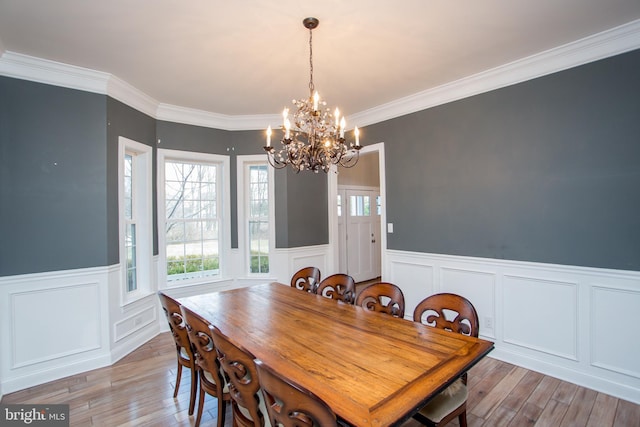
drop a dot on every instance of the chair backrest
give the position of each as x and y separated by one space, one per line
339 286
201 338
242 376
290 405
450 312
306 279
177 324
382 297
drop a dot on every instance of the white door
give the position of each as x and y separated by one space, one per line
362 228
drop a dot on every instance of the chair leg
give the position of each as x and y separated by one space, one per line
178 377
221 410
463 419
200 406
194 390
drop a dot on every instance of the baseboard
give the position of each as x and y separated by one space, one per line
31 379
582 379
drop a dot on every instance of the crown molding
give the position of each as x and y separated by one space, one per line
40 70
190 116
58 74
592 48
608 43
127 94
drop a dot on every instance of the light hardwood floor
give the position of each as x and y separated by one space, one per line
138 391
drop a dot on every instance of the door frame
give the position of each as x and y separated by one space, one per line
332 177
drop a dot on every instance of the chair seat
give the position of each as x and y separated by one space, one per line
446 402
263 408
184 354
210 378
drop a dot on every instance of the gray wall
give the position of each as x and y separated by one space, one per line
301 200
365 173
294 194
123 120
59 177
546 171
306 218
177 136
53 172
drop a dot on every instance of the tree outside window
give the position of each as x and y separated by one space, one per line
131 275
258 218
192 219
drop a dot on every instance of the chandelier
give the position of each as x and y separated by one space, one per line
315 139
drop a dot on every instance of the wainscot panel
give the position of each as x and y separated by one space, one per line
52 325
615 310
533 308
308 256
477 286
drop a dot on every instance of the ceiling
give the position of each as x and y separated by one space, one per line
250 57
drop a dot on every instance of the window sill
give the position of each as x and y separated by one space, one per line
129 300
200 281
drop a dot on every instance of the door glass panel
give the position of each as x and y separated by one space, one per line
359 206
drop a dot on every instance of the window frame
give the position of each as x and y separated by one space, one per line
224 215
142 205
243 164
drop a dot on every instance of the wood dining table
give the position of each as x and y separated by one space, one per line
370 368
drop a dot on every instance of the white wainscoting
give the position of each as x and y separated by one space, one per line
61 323
574 323
577 324
44 323
310 256
53 325
615 311
532 308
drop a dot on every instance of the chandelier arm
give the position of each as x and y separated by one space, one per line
348 161
274 162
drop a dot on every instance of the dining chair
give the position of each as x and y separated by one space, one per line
211 376
453 313
184 348
306 279
240 372
290 405
338 286
382 297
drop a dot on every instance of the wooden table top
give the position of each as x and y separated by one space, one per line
370 368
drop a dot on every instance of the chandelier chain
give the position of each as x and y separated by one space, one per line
311 86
